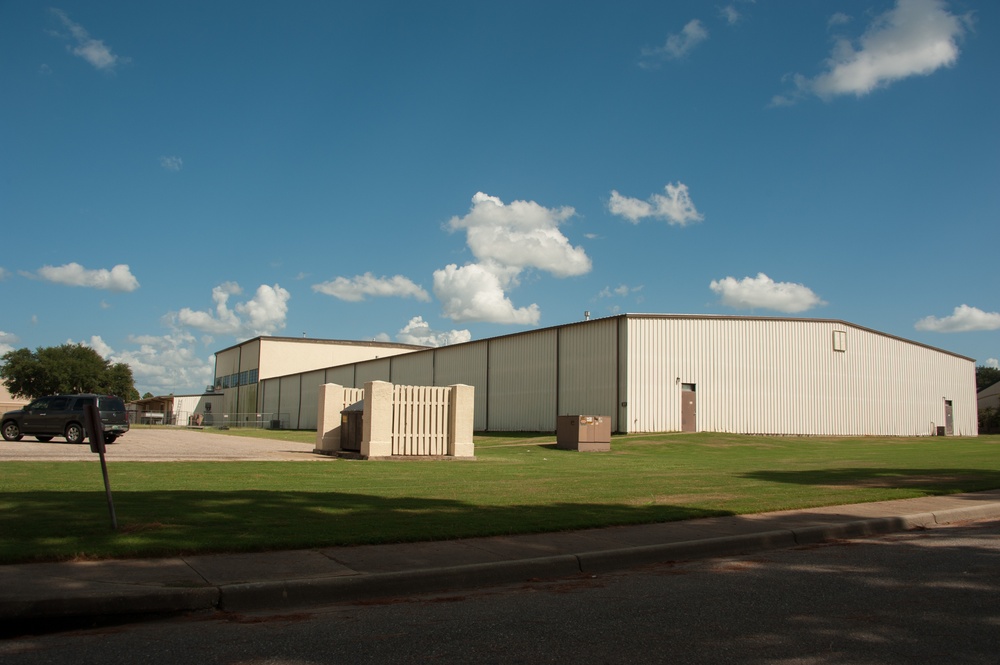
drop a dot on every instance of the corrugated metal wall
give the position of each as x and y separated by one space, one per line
343 376
588 370
466 364
308 412
373 370
413 369
784 376
270 395
288 404
522 382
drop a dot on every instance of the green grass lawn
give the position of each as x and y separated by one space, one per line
517 484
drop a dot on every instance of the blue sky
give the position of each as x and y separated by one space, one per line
178 176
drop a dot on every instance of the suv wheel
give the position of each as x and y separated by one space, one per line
74 433
109 439
11 432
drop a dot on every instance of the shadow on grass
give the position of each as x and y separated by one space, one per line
60 525
936 481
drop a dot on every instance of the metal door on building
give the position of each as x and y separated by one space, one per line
949 419
689 408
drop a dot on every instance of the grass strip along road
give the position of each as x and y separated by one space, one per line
517 484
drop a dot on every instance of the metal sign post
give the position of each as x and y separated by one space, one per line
95 432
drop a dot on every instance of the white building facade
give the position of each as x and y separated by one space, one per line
662 373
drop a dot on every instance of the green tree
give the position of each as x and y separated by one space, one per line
986 377
70 368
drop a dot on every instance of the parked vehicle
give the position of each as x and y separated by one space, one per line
62 415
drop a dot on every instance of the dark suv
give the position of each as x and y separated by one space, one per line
62 415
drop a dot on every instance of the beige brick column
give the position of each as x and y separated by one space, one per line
461 421
376 441
331 403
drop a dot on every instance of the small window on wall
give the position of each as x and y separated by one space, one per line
688 387
840 340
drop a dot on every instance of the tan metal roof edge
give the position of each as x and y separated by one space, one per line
312 340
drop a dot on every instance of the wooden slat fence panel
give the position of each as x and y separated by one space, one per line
420 420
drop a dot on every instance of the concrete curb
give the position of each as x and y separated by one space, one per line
134 602
296 593
149 601
611 560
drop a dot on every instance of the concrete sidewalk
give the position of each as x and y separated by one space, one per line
301 578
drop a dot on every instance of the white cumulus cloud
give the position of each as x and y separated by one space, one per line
119 278
763 292
7 342
264 314
172 163
506 239
914 38
674 208
94 51
677 45
962 319
356 288
521 234
161 364
419 332
476 293
992 362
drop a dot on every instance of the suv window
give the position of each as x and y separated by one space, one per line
110 404
39 404
82 402
58 403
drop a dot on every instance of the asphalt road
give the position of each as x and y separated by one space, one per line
917 597
163 445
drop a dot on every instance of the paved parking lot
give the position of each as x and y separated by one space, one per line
164 445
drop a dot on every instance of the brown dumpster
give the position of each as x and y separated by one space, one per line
586 433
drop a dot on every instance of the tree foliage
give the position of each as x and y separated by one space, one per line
70 368
986 377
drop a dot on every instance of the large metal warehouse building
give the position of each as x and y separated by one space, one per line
648 373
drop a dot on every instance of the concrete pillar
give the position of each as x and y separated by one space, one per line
461 421
331 403
376 441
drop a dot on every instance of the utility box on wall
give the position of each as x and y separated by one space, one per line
586 433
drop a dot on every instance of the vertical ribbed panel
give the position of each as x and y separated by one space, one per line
784 376
309 399
289 400
522 382
342 376
467 364
372 370
271 389
588 370
414 369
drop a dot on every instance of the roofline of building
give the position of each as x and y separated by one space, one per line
736 317
342 342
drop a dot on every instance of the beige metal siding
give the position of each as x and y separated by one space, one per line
522 382
288 406
373 370
269 398
308 415
466 364
588 370
413 369
343 376
784 376
283 356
